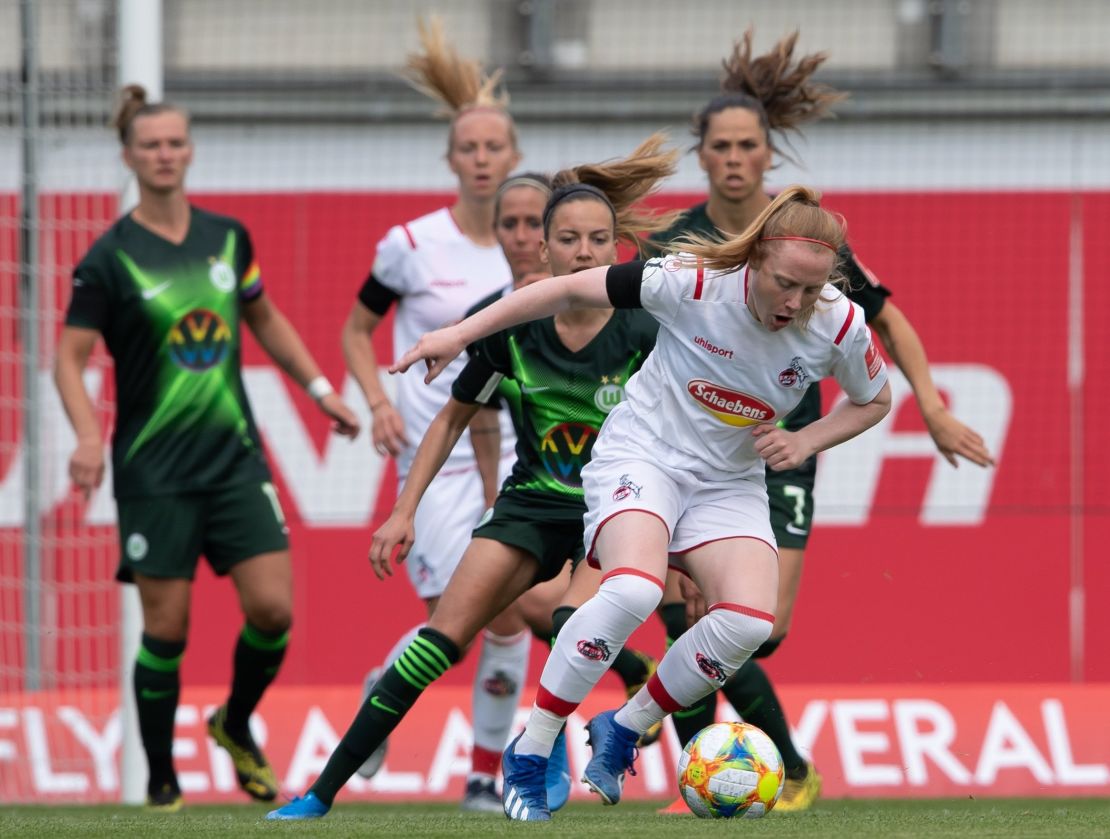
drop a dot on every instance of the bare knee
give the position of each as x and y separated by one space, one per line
271 616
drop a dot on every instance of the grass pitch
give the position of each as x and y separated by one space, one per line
1009 818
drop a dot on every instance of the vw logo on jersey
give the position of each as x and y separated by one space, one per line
199 341
607 397
732 407
565 449
222 276
137 547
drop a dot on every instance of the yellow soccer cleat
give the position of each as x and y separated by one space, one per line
801 793
167 799
256 778
652 734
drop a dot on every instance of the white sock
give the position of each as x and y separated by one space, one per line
540 733
640 712
498 683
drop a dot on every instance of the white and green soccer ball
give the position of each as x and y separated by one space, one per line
730 769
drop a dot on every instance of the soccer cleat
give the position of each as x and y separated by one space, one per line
799 793
165 799
481 796
557 779
300 809
653 734
256 778
373 763
676 808
614 754
523 793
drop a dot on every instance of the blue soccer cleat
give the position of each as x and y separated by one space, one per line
557 779
299 809
614 754
523 793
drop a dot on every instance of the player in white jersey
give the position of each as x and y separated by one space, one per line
676 476
434 269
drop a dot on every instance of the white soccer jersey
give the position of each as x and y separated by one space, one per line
716 372
439 274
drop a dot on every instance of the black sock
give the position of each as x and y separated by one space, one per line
752 695
258 657
559 617
673 616
423 661
157 685
688 721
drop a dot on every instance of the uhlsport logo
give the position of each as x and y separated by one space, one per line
221 275
731 407
710 667
595 650
565 449
610 394
200 340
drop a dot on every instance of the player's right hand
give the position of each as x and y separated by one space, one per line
86 466
397 532
387 430
437 349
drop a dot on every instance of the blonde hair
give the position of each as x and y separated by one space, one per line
775 86
622 184
459 85
131 103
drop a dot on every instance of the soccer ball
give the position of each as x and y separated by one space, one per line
729 769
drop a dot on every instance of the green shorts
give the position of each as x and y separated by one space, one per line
542 530
791 497
165 535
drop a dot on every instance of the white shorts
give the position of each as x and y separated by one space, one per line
622 477
451 508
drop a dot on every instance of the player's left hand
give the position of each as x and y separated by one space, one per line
345 420
396 532
781 449
954 438
438 349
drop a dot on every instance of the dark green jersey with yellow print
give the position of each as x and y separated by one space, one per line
170 317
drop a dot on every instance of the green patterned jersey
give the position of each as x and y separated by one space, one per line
169 315
863 289
564 398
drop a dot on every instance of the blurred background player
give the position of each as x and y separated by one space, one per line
167 286
677 471
570 370
736 148
434 269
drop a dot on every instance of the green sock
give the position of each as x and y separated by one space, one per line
688 721
258 657
424 660
752 695
157 683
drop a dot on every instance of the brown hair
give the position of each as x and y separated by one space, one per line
131 104
459 85
621 184
795 213
775 86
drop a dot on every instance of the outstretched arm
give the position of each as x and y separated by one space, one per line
951 436
440 438
586 289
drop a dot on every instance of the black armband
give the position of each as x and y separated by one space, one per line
622 283
377 297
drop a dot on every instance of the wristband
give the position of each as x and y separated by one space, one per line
319 387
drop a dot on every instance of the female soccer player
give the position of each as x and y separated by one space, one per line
434 269
167 286
677 471
762 96
571 370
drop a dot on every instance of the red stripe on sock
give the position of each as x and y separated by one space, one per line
659 693
632 572
484 761
549 702
744 610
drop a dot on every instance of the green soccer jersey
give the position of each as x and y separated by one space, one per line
863 289
170 317
564 398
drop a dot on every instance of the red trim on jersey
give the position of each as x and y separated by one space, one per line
744 610
847 322
632 572
659 693
700 281
591 557
721 539
412 241
745 283
549 702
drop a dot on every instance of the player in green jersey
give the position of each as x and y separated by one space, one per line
571 370
762 96
167 287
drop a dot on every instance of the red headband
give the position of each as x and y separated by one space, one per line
798 239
